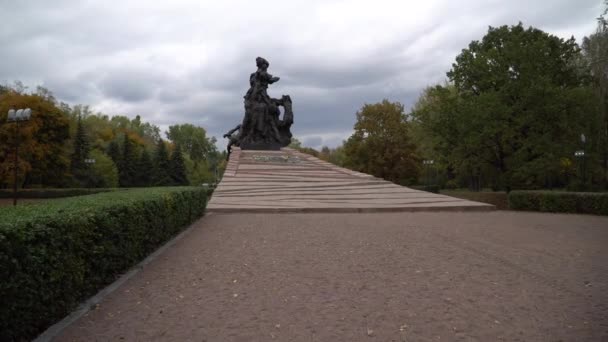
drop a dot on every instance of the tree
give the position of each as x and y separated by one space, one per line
104 173
78 166
114 152
295 143
595 52
161 165
517 92
127 168
43 158
192 139
198 173
177 167
381 144
145 168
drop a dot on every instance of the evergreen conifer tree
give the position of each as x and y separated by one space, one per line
128 163
178 167
145 168
161 165
78 167
114 152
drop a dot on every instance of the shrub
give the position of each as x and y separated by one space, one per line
560 201
54 255
497 198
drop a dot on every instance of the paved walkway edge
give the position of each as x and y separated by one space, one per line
338 210
56 329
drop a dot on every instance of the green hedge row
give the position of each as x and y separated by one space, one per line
55 254
53 193
560 201
497 198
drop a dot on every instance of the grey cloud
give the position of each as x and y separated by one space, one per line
189 61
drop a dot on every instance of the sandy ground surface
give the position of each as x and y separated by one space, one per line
494 276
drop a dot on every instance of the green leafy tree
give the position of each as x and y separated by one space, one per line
193 140
516 93
104 173
381 144
177 167
161 165
198 172
595 52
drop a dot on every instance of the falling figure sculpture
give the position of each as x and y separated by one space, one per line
262 128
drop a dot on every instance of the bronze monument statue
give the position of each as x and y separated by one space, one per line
262 128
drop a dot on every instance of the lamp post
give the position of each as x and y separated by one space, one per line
17 116
580 154
428 163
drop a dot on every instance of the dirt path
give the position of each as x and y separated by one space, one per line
368 277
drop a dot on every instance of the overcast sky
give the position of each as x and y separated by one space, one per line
188 61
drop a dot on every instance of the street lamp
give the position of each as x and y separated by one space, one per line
580 154
17 116
428 163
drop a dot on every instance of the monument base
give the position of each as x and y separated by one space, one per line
261 146
291 181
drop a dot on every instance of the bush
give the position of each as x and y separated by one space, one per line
560 202
53 193
54 255
496 198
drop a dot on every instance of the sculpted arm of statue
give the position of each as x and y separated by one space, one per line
272 79
229 133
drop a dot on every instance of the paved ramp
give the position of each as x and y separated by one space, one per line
291 181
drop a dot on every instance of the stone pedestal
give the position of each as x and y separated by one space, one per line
287 180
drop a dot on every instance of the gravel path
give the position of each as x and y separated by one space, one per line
494 276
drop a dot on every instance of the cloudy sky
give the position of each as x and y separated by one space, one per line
188 61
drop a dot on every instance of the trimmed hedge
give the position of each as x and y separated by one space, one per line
497 198
53 193
55 254
560 201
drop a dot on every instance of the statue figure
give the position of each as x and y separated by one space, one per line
262 128
233 139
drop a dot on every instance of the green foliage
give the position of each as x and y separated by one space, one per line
193 140
381 144
114 152
54 255
295 143
558 201
497 198
514 95
161 176
127 168
198 172
595 63
78 167
177 167
145 167
103 173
